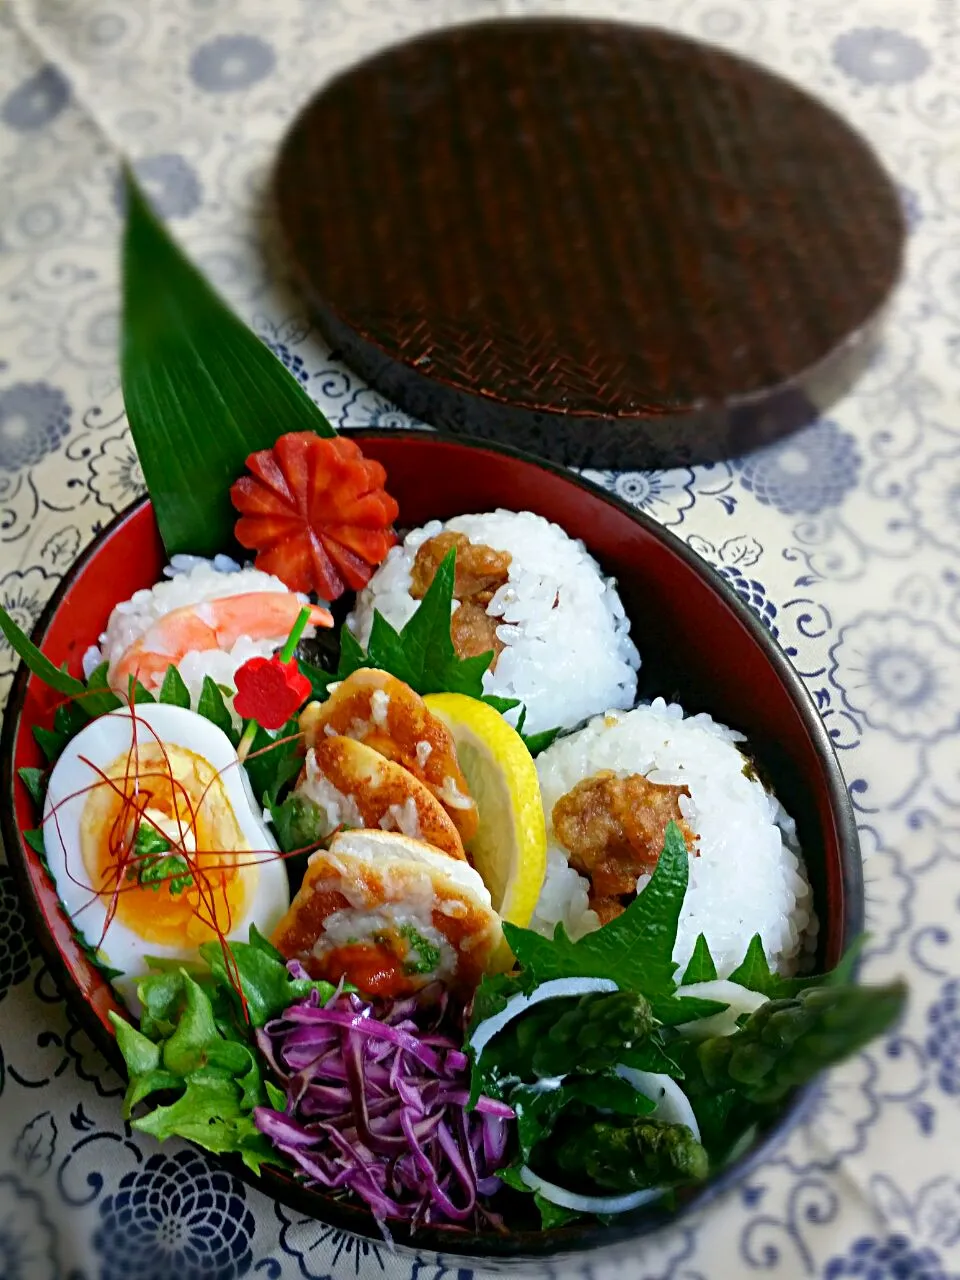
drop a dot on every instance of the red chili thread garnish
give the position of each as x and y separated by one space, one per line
208 895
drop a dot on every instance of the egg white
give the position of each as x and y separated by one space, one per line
267 892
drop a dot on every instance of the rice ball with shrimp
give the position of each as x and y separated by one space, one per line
609 792
206 618
530 593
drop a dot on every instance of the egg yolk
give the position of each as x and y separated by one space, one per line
181 792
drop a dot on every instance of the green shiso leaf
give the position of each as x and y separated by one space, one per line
49 741
98 676
553 1215
701 967
422 654
503 705
212 707
274 760
200 390
68 719
99 698
35 780
34 839
635 950
537 742
138 694
754 972
173 691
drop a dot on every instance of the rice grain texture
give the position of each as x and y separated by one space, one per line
189 582
568 653
749 876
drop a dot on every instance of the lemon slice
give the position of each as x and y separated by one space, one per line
510 847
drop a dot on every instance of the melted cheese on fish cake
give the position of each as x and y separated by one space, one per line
391 915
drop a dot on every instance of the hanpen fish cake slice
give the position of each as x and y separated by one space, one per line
376 708
355 786
391 915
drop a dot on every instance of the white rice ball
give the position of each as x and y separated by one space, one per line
190 581
749 877
568 650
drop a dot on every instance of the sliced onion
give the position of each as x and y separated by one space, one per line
738 1000
546 1084
555 989
588 1204
672 1103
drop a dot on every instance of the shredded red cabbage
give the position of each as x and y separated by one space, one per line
376 1105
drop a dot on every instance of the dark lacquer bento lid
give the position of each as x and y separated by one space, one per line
605 243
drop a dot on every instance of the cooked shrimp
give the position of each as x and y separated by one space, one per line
380 710
355 786
212 624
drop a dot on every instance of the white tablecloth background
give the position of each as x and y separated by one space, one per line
846 539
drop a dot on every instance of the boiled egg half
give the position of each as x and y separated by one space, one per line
155 840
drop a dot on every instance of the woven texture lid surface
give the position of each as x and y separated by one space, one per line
607 243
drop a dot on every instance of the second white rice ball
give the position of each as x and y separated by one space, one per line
568 653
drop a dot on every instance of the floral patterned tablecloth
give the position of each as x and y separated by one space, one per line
845 540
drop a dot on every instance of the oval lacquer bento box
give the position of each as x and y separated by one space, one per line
698 641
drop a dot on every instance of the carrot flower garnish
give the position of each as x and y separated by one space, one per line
316 513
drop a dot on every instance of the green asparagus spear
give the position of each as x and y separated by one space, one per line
560 1037
593 1033
621 1154
787 1042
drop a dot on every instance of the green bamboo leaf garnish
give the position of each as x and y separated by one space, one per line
38 663
200 389
96 702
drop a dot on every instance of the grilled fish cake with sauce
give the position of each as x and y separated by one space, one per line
391 915
355 786
378 709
